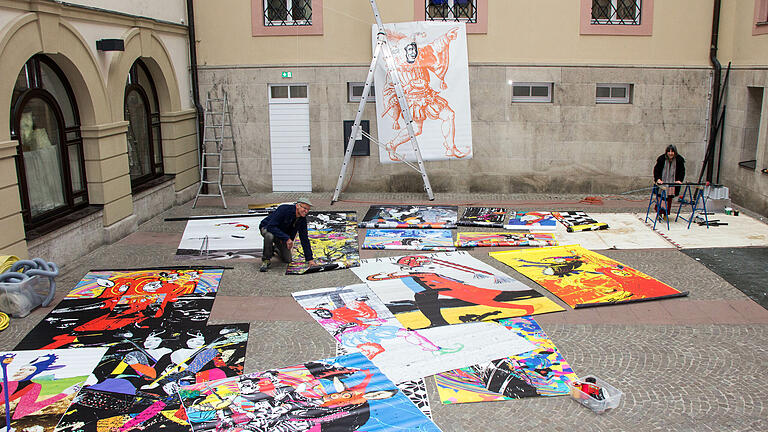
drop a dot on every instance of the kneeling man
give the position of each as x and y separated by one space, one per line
279 231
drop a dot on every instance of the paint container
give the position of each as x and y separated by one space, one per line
610 396
728 210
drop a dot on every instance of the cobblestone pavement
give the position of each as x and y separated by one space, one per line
685 364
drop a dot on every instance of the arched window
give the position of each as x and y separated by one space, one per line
145 148
50 164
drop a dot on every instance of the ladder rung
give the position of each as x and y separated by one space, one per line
209 195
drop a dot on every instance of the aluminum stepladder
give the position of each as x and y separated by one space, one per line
383 49
219 149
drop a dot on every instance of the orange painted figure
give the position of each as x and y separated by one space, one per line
424 102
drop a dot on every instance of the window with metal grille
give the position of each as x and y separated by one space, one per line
451 10
287 12
616 12
613 93
531 92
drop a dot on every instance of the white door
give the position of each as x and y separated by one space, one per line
289 138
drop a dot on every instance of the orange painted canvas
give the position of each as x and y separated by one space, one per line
583 278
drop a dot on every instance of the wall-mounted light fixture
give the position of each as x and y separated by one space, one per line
110 45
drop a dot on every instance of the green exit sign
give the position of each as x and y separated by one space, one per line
287 74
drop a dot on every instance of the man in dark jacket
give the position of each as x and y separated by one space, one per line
279 231
669 168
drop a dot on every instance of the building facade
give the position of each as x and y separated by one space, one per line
99 133
655 55
566 96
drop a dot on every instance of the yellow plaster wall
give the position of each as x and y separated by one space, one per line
736 41
539 32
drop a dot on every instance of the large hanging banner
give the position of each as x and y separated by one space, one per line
107 305
540 372
222 237
139 377
583 278
431 60
359 321
38 386
446 288
410 216
333 236
409 239
482 239
346 393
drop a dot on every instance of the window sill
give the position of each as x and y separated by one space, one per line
149 184
41 230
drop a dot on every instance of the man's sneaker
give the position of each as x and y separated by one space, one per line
264 266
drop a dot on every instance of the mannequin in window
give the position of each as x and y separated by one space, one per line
42 166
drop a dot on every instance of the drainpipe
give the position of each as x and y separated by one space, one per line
195 83
716 97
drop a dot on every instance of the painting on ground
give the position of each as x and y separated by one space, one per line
106 304
410 216
409 239
492 217
531 221
432 63
432 290
540 372
360 322
333 236
139 377
488 239
346 393
221 238
415 390
38 386
575 221
583 278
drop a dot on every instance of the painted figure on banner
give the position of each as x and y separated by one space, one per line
414 66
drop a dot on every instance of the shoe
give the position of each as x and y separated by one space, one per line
264 266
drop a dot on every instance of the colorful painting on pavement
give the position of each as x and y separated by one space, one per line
112 283
105 305
487 239
139 377
540 372
583 278
38 386
492 217
409 239
575 221
220 238
333 236
432 290
405 216
414 390
346 393
531 221
359 321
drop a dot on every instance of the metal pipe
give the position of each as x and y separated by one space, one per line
195 82
716 99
